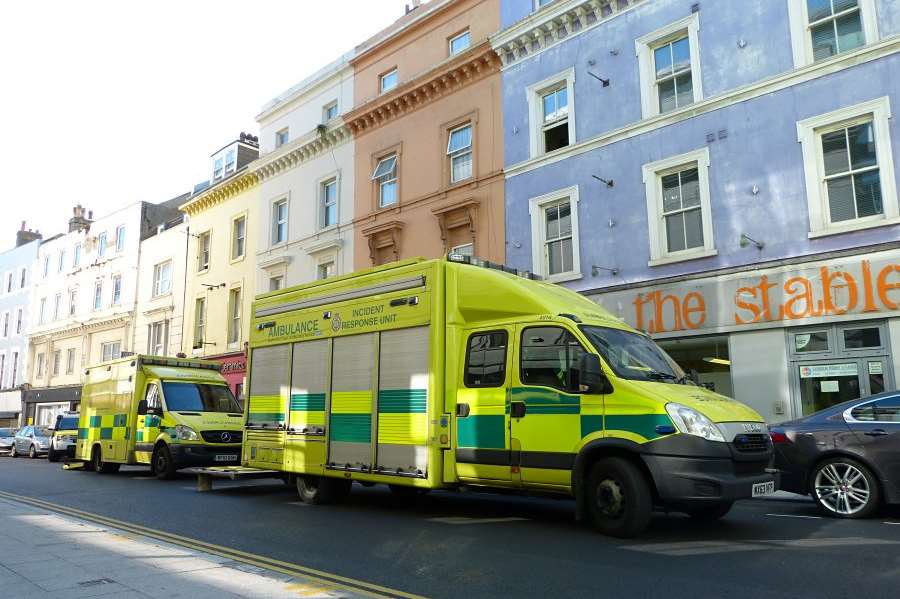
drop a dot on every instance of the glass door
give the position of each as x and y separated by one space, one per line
823 384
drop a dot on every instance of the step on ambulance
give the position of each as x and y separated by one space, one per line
168 413
429 374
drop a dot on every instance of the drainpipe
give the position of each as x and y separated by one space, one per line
184 307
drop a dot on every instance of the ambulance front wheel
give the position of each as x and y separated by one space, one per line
163 464
619 499
322 490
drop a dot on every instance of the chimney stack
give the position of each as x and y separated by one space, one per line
80 222
23 236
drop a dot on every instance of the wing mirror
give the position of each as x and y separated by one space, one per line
142 407
592 378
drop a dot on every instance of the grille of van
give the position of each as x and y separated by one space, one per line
752 443
221 436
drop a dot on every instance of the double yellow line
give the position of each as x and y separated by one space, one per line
326 579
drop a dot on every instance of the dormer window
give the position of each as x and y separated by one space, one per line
230 161
218 168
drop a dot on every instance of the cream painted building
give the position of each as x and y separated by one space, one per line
159 315
306 181
222 225
85 293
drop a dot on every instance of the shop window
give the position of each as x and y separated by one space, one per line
550 357
706 359
486 359
815 341
862 338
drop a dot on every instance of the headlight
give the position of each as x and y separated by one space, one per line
691 422
186 433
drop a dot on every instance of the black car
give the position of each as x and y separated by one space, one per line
847 457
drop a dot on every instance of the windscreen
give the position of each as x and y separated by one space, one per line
634 356
6 432
69 423
41 431
199 397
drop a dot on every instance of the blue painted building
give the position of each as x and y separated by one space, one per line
720 174
15 302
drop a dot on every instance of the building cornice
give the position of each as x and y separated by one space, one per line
835 64
221 192
320 140
447 77
91 325
330 74
553 24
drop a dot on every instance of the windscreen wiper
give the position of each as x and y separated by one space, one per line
661 376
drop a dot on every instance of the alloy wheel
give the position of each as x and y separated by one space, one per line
842 488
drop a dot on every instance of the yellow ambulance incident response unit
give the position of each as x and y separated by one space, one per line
427 374
168 413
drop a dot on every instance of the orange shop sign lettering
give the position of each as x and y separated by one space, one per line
809 293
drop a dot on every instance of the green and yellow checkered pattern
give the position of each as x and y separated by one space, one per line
112 426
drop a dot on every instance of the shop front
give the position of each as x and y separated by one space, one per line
788 340
234 369
43 404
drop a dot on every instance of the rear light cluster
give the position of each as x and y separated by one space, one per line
779 437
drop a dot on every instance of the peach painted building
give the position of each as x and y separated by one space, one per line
427 128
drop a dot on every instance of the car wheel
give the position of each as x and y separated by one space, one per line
32 452
618 498
322 490
12 451
52 456
710 512
163 466
845 488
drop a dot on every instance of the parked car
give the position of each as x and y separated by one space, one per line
847 457
7 435
32 441
64 437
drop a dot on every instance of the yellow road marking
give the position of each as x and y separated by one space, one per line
325 578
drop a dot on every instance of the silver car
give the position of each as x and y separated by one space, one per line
7 435
32 441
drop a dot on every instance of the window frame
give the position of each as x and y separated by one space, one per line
235 317
76 257
158 269
801 36
234 238
204 237
282 137
327 108
851 419
381 78
20 320
464 33
275 222
536 208
653 173
120 239
522 347
325 264
535 97
102 244
646 45
116 299
506 354
230 167
73 301
470 150
199 323
112 345
152 327
380 182
70 360
98 295
57 305
280 285
809 134
321 187
56 362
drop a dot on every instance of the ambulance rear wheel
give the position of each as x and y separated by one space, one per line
163 465
618 498
322 490
101 467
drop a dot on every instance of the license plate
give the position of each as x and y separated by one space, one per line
763 488
232 458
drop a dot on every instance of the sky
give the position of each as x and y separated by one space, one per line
107 102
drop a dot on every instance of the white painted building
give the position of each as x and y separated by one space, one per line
84 297
306 181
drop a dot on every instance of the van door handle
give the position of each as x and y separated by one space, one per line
878 432
462 410
517 409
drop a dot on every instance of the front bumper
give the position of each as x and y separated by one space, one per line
187 456
690 472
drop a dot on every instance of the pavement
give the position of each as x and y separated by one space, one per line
472 544
51 556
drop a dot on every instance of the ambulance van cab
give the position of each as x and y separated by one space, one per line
430 374
167 413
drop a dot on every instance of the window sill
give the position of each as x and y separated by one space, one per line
238 259
564 277
861 226
203 271
683 257
161 295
